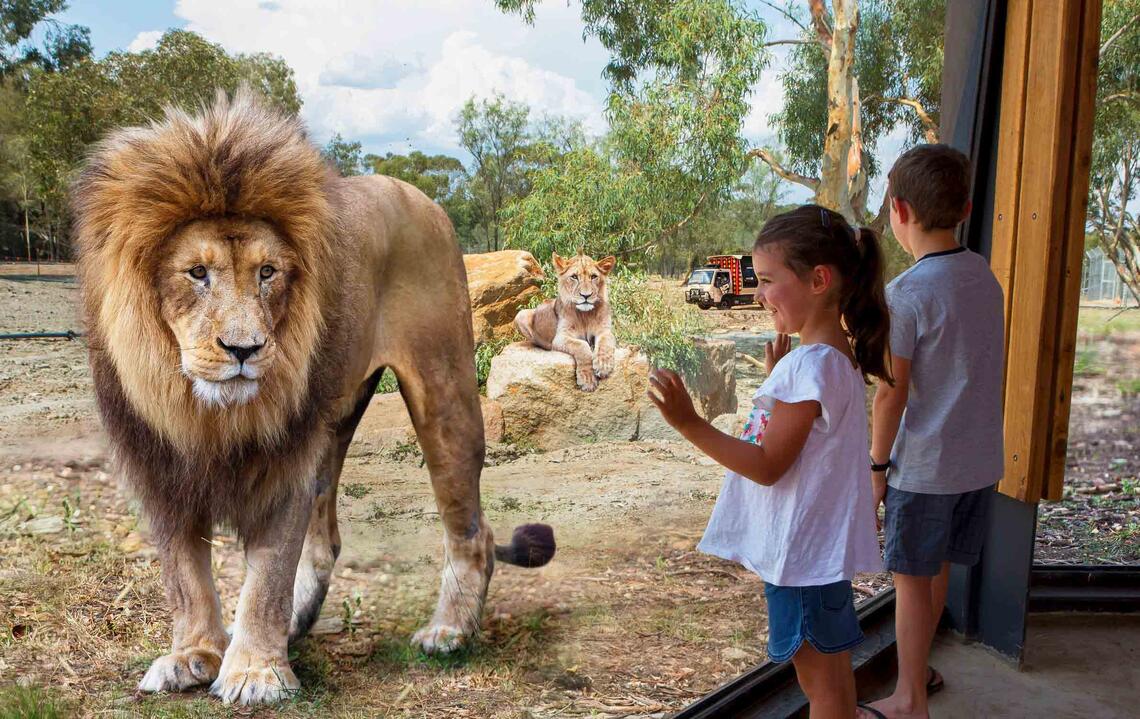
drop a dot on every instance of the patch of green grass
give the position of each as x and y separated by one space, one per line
1105 321
510 504
409 449
396 653
679 623
357 490
1119 545
18 702
388 383
1129 387
1087 363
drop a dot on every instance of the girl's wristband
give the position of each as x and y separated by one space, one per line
880 467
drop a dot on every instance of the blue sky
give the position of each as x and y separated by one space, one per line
393 73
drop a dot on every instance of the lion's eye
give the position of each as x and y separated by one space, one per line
267 271
593 277
573 277
198 272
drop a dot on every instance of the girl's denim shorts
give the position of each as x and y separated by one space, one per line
824 615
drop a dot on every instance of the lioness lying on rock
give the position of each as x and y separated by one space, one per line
577 322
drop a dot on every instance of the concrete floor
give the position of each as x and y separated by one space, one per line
1076 665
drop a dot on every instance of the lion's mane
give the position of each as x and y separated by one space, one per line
190 461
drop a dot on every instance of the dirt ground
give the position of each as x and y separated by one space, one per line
628 620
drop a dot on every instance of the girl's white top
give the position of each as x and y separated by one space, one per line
816 524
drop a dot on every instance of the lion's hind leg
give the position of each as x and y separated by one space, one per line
538 325
442 399
199 637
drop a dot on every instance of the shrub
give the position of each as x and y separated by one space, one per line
644 319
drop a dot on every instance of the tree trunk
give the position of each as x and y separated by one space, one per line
856 159
834 190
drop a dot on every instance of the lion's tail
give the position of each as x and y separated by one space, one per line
532 545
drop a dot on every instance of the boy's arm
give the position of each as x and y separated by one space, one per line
886 415
787 433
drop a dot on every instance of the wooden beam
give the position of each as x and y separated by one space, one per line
1042 166
1010 132
1068 303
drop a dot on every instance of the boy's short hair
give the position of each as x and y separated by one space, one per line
935 181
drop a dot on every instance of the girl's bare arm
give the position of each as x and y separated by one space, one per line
784 439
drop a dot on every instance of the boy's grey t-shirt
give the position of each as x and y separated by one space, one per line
947 319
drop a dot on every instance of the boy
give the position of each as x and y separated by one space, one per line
939 429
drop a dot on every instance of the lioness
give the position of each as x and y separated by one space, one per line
241 302
578 322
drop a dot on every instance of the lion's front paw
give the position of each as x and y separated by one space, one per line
439 639
178 671
247 679
586 379
603 364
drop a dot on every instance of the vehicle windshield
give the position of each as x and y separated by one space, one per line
701 277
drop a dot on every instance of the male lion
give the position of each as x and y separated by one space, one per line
578 322
241 302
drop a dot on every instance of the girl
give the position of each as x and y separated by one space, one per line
796 505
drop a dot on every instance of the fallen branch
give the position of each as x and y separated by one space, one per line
751 360
1099 489
722 572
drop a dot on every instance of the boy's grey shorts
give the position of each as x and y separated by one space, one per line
924 530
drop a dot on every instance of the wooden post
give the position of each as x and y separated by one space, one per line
1045 140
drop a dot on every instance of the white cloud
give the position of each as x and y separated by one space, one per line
394 74
368 73
145 40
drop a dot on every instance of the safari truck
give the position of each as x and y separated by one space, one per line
726 280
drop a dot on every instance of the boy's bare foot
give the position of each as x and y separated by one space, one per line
894 708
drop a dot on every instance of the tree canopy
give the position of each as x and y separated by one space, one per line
680 74
63 109
1115 173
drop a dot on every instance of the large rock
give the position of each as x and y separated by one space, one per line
500 283
542 405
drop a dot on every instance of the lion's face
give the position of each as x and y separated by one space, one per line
582 281
224 286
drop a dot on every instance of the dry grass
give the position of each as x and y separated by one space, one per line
636 629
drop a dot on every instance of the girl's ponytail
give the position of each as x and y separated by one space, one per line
864 308
812 235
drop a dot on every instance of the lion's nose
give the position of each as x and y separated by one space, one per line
586 295
240 352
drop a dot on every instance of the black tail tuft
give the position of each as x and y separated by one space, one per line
532 545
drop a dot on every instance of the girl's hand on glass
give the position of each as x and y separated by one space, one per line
668 393
773 351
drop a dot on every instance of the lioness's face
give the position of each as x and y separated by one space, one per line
224 286
581 281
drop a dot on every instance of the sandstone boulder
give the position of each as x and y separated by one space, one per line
542 405
500 284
